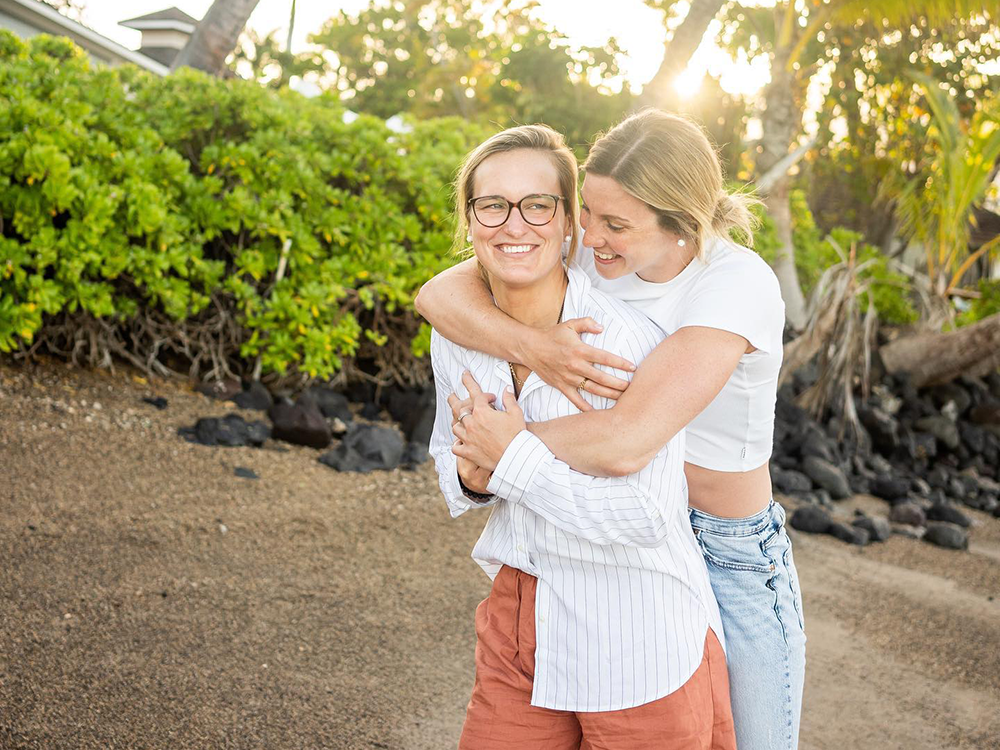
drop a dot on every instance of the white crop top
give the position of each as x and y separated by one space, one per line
734 290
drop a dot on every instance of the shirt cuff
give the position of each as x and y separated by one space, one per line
460 498
515 473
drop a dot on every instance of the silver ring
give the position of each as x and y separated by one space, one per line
463 415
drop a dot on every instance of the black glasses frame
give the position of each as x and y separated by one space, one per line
511 206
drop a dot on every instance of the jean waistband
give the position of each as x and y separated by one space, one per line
772 514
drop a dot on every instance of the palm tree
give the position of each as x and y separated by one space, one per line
678 51
215 36
793 27
937 207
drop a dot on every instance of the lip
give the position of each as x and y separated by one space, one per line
523 254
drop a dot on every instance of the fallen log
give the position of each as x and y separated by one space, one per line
935 358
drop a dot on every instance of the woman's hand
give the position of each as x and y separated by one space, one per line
483 432
474 477
561 359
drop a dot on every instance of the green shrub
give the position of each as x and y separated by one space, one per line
988 303
148 217
814 254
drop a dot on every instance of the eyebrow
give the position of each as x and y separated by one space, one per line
607 217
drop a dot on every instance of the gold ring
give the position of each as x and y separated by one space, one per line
583 384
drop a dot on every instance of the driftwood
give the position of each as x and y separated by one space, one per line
934 358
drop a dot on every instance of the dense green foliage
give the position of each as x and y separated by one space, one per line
986 305
433 58
149 217
814 253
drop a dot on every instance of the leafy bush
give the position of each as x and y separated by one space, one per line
988 304
814 254
212 224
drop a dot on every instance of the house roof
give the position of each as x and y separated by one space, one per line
168 18
45 18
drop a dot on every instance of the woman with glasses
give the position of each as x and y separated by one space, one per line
600 626
657 224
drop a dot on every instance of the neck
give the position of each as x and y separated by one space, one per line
537 305
671 265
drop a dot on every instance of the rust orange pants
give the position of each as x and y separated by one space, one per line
697 716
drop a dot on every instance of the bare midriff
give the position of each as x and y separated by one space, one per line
729 494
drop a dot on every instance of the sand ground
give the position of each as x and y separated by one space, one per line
149 598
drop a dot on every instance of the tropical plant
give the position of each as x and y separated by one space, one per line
935 202
432 58
214 227
790 34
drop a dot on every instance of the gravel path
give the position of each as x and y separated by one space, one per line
150 598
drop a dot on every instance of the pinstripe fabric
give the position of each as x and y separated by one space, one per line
623 599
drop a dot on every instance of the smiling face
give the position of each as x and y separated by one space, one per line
518 254
625 234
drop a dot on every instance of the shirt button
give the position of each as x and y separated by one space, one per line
520 548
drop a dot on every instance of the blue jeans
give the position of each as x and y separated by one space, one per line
753 576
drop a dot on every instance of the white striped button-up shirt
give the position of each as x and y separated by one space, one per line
623 600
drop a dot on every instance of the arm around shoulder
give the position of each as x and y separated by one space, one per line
458 303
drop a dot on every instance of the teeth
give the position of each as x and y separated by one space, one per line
602 256
514 249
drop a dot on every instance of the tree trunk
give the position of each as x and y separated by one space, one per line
780 122
677 53
216 36
933 358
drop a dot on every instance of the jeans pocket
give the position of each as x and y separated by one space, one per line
747 553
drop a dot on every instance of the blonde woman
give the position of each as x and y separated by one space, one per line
657 222
600 627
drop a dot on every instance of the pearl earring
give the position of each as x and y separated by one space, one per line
681 243
468 237
566 238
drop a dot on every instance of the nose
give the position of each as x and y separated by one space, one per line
590 235
515 224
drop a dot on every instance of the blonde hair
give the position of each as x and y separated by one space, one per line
539 138
668 163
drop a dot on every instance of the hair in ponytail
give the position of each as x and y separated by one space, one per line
668 163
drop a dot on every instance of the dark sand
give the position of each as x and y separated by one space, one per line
149 598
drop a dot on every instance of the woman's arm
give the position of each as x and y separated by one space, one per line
671 387
459 305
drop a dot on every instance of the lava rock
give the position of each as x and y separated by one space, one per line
221 390
938 477
301 423
811 519
819 445
908 513
910 532
414 409
415 454
244 473
366 448
922 446
333 405
947 535
986 414
789 480
948 513
890 487
849 534
952 392
159 402
879 529
255 396
944 429
229 431
973 436
884 429
827 476
370 411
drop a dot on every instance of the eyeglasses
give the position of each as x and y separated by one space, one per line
494 210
